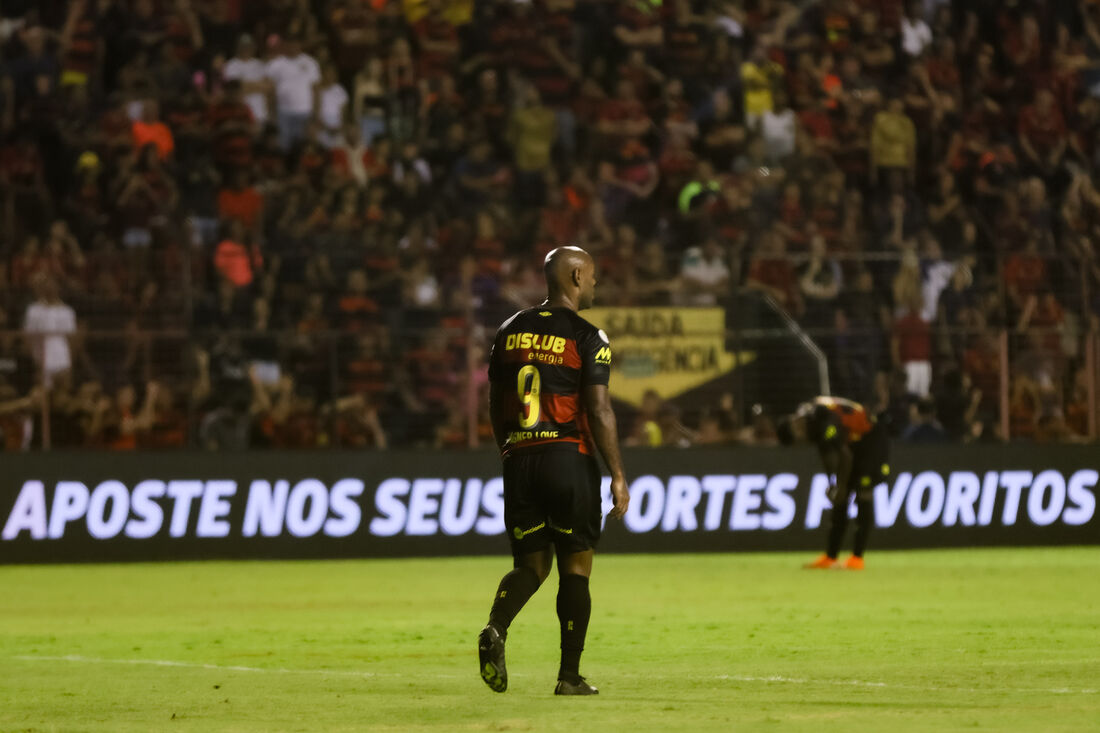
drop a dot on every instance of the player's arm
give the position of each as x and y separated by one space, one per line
496 413
601 419
837 458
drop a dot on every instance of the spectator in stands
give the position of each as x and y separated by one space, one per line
49 325
251 73
370 98
653 284
241 202
236 260
293 73
760 76
820 281
923 426
710 430
911 346
331 101
674 434
893 141
532 130
778 127
704 274
478 175
646 430
772 273
916 36
1042 135
144 195
957 403
150 130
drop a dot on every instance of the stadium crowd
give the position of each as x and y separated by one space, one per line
289 223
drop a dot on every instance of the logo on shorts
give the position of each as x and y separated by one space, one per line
517 533
545 313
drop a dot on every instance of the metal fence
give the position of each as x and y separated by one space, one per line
376 388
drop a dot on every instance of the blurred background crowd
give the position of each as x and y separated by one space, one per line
296 223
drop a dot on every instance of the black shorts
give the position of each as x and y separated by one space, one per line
552 496
870 461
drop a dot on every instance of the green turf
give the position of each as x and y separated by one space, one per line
992 639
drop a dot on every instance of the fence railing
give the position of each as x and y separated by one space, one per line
709 381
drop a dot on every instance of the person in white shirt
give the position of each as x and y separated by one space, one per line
778 127
936 276
251 72
704 274
294 73
332 99
916 36
48 324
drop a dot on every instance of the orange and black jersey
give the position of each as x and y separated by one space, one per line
836 421
542 360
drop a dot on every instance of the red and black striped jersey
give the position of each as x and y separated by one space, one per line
542 359
835 420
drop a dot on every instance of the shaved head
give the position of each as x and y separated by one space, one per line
570 275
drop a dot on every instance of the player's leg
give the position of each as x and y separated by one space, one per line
532 556
874 469
515 589
517 586
529 534
575 516
865 520
574 611
838 524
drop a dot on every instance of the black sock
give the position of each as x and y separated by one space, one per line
838 523
515 589
574 609
865 519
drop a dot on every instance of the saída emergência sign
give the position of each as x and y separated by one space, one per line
668 350
88 507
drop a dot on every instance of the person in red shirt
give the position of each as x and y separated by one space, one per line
233 127
356 308
622 118
241 202
772 273
818 122
437 39
234 260
912 350
149 129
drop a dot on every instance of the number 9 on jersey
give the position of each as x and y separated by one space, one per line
528 384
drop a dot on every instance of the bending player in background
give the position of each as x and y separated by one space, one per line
550 410
855 449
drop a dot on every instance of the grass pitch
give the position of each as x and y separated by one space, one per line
990 639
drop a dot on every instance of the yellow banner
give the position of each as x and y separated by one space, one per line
669 350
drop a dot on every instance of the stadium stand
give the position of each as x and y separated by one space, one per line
296 223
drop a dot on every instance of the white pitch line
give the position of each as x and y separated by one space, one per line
881 685
76 658
198 665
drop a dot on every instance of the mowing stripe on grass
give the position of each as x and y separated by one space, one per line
355 673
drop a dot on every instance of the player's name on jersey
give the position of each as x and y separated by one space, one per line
518 436
534 341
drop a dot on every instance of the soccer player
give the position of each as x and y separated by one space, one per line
550 410
855 448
